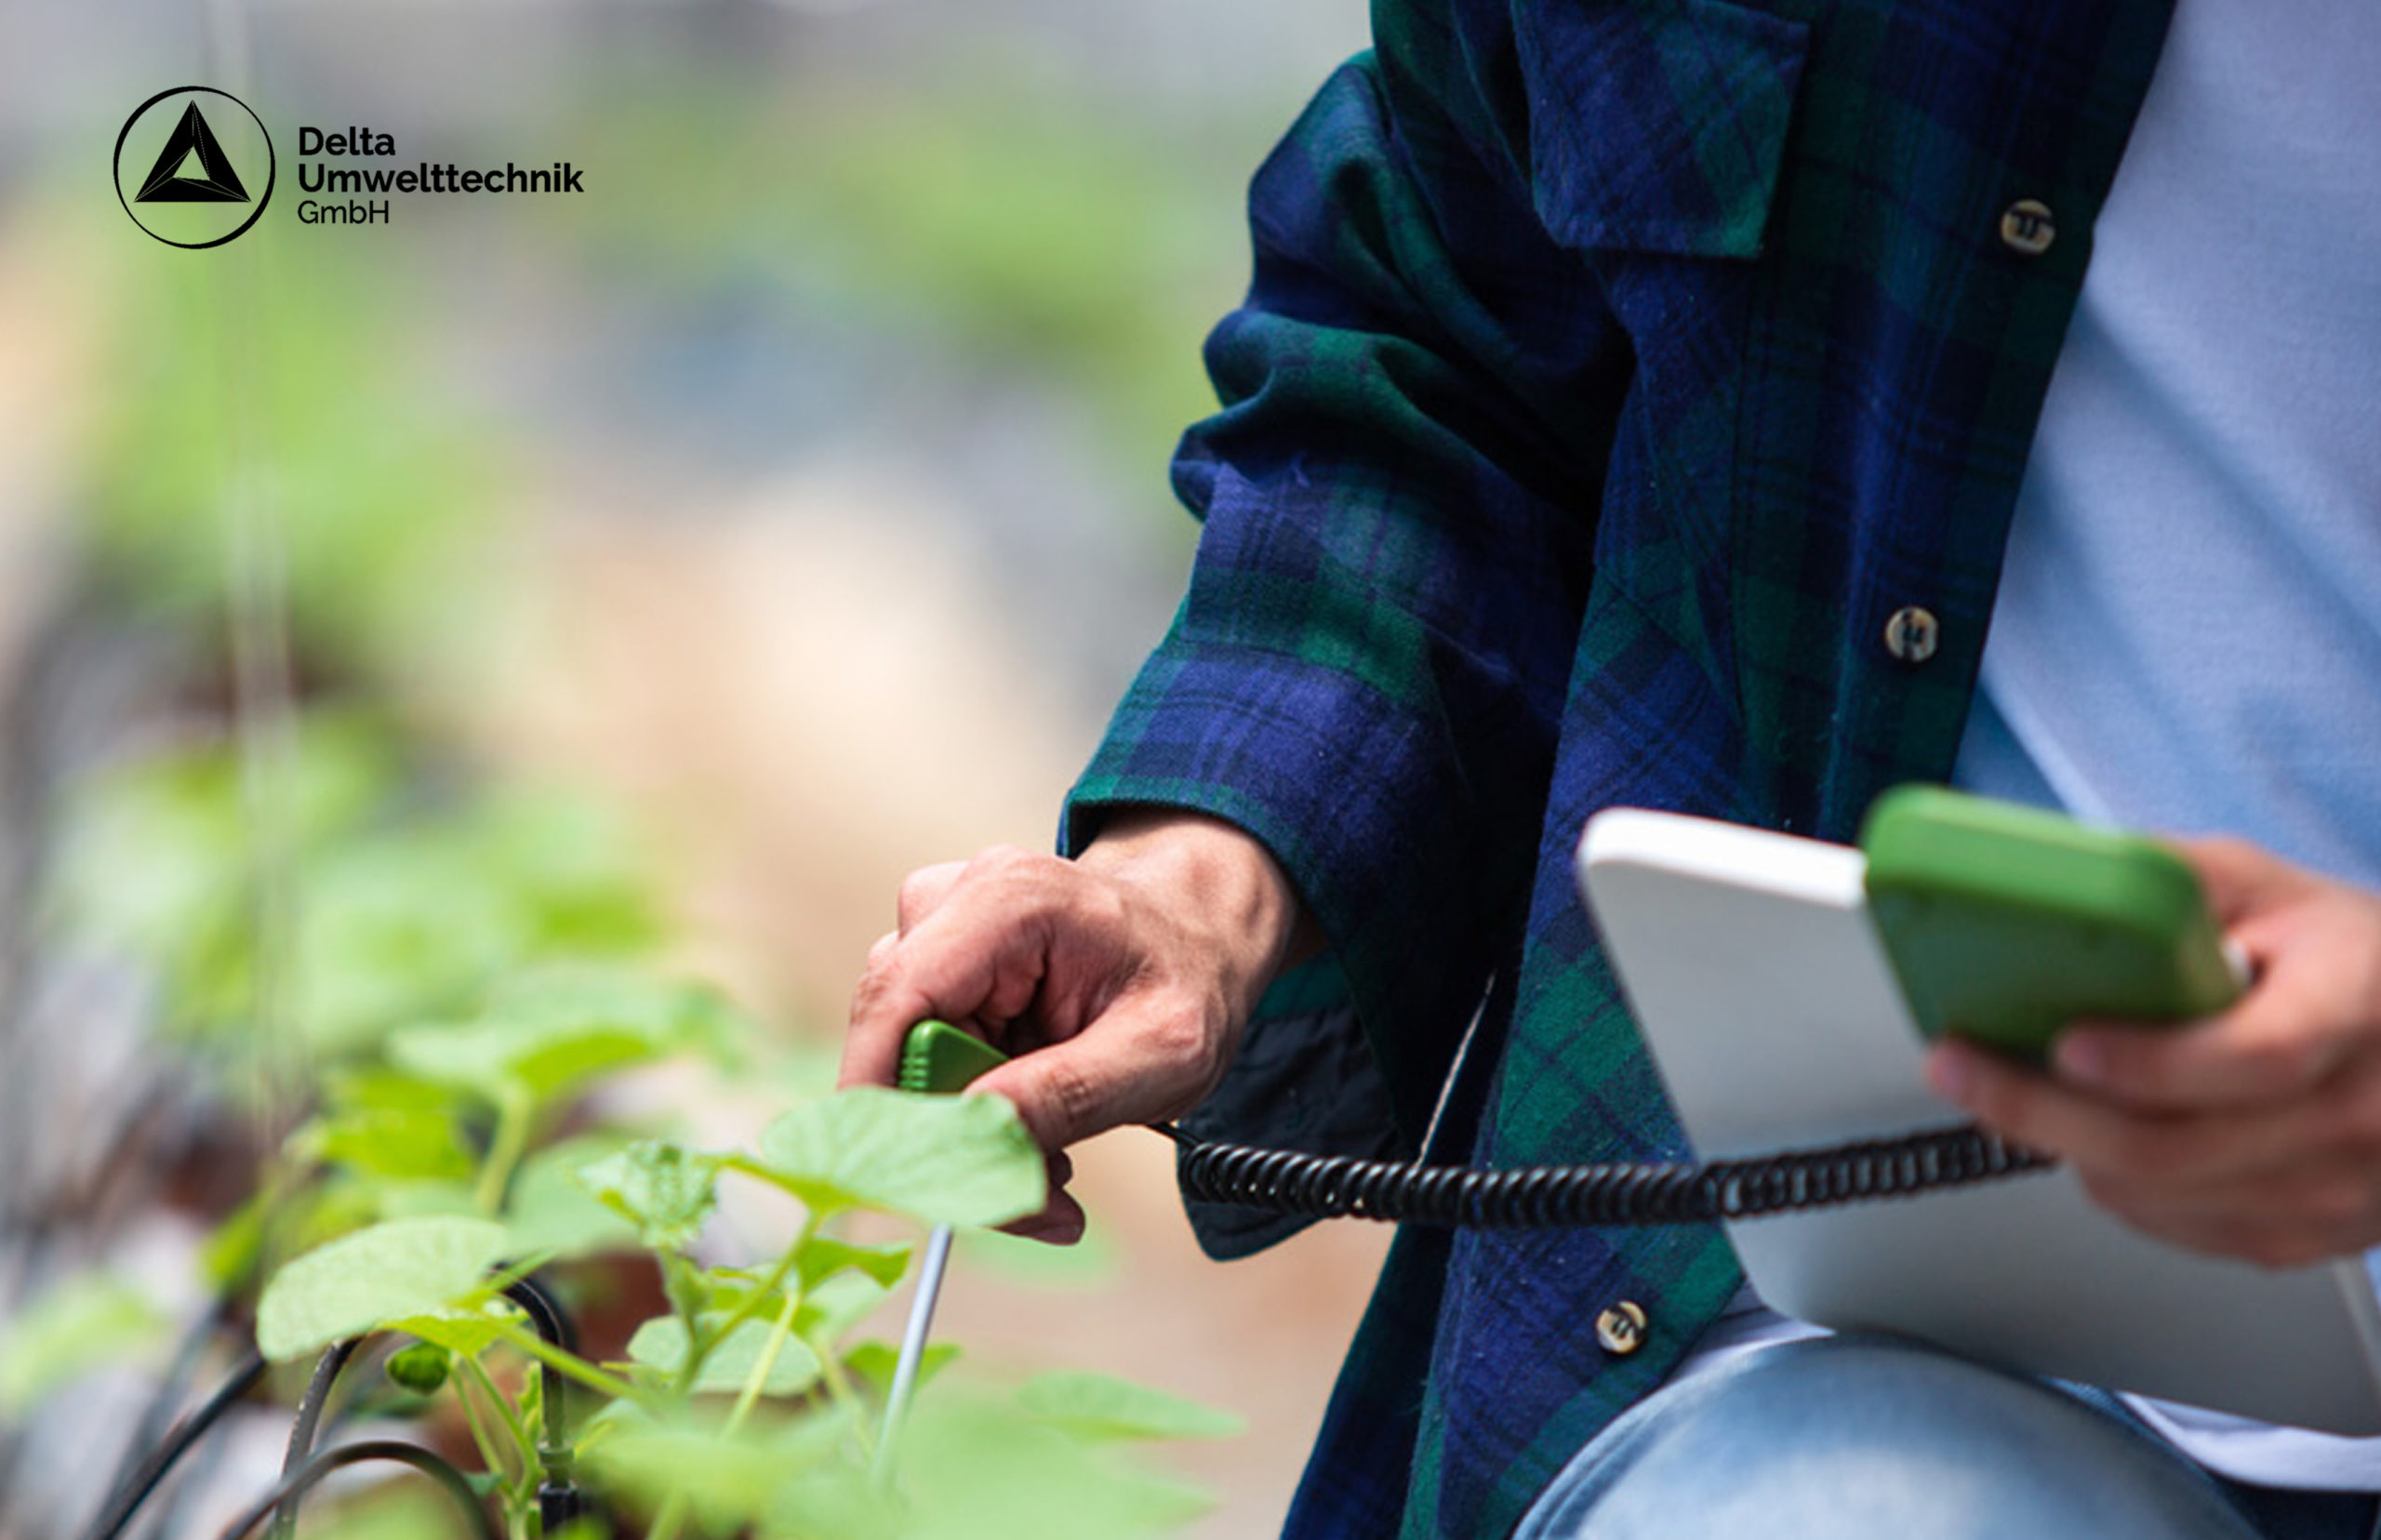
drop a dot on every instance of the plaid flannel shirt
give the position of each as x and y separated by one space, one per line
1614 371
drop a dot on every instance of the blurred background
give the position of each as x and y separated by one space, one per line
706 549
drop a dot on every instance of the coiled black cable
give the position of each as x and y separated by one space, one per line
1332 1186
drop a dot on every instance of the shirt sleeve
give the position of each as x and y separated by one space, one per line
1398 497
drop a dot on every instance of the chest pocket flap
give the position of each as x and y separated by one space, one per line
1658 126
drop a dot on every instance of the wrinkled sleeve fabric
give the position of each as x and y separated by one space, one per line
1398 500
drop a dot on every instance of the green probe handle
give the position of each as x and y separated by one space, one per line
939 1059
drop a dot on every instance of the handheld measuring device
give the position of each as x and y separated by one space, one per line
2005 922
1787 990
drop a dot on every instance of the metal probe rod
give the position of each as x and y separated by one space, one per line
914 1351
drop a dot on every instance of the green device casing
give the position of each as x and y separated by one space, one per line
2005 922
938 1058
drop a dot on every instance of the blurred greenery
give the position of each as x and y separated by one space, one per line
74 1327
1001 223
307 373
412 904
994 212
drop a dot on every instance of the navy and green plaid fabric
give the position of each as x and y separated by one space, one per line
1612 370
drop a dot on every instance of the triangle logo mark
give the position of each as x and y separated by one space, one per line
168 181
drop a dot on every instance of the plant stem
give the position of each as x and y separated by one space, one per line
839 1389
576 1368
699 1347
673 1512
524 1447
682 1282
765 1365
672 1515
491 1457
522 1505
489 1454
513 1115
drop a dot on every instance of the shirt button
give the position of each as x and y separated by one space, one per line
1620 1330
1912 634
2026 227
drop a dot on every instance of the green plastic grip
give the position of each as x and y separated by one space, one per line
938 1058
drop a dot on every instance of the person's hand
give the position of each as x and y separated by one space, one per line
1122 980
2253 1134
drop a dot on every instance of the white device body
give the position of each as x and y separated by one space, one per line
1774 1017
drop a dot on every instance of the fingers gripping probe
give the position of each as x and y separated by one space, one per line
938 1059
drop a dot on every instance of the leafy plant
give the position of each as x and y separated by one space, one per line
746 1406
457 1144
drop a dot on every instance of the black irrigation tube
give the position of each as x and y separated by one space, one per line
309 1417
156 1416
559 1501
558 1498
125 1500
292 1488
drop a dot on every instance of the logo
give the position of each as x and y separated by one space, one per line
178 165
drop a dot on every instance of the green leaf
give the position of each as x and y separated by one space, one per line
392 1271
573 868
874 1362
396 927
388 1141
660 1344
728 1482
666 1192
1091 1263
976 1469
399 1511
825 1256
406 1197
837 1304
832 1499
79 1325
1101 1406
731 1364
735 1481
944 1160
609 1421
549 1033
464 1332
551 1215
542 1059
